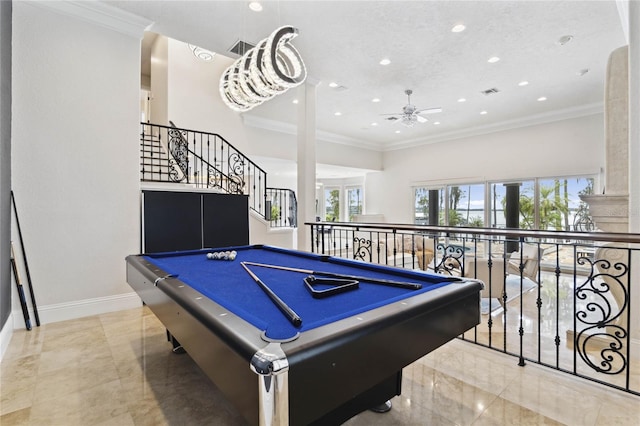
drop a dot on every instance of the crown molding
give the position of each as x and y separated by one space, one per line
292 129
547 117
96 12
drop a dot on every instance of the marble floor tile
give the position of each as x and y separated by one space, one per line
118 369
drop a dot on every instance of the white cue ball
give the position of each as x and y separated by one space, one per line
209 255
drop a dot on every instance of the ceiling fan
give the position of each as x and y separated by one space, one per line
410 115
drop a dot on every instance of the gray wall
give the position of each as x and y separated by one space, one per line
5 159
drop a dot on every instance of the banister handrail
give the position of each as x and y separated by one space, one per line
173 126
631 238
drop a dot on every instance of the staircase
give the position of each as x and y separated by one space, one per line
206 160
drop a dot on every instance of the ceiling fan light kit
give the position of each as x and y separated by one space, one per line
410 115
272 67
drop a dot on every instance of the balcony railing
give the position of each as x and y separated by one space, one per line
206 160
565 300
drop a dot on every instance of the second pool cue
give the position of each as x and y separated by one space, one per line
23 300
391 283
286 310
26 264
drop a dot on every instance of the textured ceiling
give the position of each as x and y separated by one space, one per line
343 42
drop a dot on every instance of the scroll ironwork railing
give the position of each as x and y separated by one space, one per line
203 160
569 301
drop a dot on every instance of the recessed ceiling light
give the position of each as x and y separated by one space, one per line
462 100
493 59
255 6
458 28
397 131
375 100
523 83
436 123
542 98
483 112
333 84
374 124
338 113
295 101
385 61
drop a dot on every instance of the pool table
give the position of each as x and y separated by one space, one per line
345 356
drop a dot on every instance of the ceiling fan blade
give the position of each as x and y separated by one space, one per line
421 119
429 111
396 114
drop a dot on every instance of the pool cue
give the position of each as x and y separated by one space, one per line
26 264
23 300
401 284
286 310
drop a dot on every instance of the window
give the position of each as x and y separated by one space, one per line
332 204
428 203
521 193
550 203
466 205
559 202
354 202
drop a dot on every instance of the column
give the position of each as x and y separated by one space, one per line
306 158
634 155
512 213
434 206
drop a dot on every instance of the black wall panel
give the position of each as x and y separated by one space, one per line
174 221
225 220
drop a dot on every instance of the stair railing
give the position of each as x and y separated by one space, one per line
282 207
207 160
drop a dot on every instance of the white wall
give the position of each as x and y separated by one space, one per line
283 144
561 148
194 100
75 156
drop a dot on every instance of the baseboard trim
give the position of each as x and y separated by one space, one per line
5 335
79 308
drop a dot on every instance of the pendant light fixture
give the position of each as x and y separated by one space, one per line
272 67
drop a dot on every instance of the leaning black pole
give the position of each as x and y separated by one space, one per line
26 264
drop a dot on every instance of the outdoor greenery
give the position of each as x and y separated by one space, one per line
333 207
553 208
275 212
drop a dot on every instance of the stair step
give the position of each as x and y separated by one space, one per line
154 160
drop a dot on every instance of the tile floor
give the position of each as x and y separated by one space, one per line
117 369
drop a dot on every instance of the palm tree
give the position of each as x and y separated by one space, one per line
550 210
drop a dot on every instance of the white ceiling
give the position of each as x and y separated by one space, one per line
343 42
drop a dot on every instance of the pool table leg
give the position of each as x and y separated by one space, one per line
385 407
272 366
177 347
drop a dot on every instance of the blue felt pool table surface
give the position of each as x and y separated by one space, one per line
228 284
